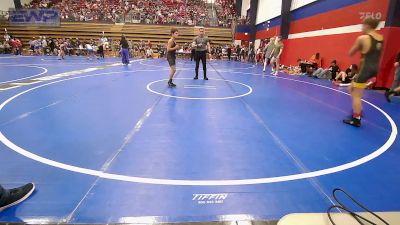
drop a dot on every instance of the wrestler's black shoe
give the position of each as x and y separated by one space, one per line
17 195
353 122
205 78
388 94
196 78
170 84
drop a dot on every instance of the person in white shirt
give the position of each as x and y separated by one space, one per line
7 37
149 53
44 45
90 51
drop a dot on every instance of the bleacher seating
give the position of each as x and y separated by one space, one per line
182 12
135 32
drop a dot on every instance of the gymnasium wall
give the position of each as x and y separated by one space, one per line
242 33
5 5
245 7
331 27
268 9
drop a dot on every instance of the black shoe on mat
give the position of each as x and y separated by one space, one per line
388 94
17 195
353 122
205 78
170 84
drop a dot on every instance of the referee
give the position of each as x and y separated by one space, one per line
201 44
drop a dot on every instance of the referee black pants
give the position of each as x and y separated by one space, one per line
192 55
201 55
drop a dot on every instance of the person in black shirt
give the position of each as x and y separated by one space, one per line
345 77
329 73
229 52
171 55
124 50
370 44
238 49
52 46
159 50
252 53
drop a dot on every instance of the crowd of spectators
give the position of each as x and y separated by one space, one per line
83 10
10 45
225 12
48 46
181 12
184 12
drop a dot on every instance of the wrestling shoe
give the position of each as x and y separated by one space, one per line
353 122
17 195
170 84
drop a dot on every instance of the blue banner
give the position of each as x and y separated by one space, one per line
35 17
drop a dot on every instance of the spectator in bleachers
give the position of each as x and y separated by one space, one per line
2 48
229 52
38 46
52 46
251 54
131 52
238 50
149 52
101 44
61 49
90 50
18 47
193 12
13 45
44 45
242 53
7 47
7 36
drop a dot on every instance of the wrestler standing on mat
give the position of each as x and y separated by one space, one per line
370 44
171 55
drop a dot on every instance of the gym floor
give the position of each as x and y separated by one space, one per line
107 143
